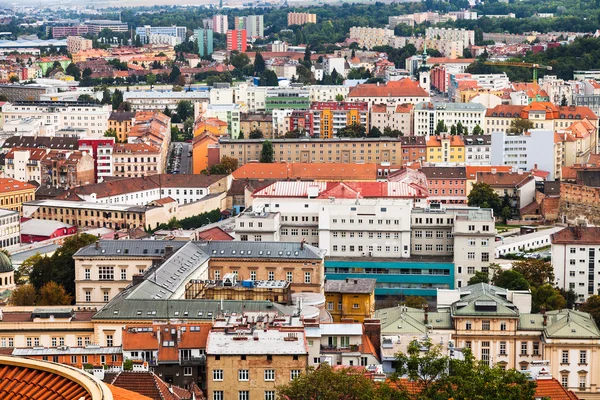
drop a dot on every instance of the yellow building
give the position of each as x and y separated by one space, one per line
445 149
251 363
13 193
261 121
351 298
331 116
121 122
214 126
468 94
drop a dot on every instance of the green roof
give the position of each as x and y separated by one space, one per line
482 300
571 324
400 319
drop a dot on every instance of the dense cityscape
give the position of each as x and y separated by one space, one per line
300 200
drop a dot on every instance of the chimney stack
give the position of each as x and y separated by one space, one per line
168 251
372 329
97 244
426 308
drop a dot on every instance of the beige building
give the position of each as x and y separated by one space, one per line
295 18
77 43
136 160
465 37
371 37
334 150
396 117
14 193
261 121
253 362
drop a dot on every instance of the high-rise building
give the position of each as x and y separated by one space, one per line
301 18
253 24
204 37
220 23
236 40
146 31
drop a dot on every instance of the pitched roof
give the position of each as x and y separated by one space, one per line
42 142
504 179
482 299
401 88
41 227
552 389
350 286
345 190
579 235
472 170
134 148
122 116
444 172
506 111
436 141
215 233
10 185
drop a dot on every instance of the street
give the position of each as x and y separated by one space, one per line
182 160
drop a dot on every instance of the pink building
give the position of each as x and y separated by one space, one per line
447 185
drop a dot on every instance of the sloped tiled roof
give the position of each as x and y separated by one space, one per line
215 233
401 88
10 185
482 299
504 179
578 235
553 390
472 170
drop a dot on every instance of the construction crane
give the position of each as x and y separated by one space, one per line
535 67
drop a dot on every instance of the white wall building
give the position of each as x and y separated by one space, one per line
465 36
220 24
427 115
155 100
10 229
530 241
371 37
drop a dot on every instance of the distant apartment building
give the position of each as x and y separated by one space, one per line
445 149
136 160
395 117
330 117
77 43
295 18
253 24
10 228
101 150
120 122
518 187
371 37
204 37
237 40
145 32
466 37
336 150
71 30
157 101
24 164
14 193
98 25
220 24
231 113
427 115
395 92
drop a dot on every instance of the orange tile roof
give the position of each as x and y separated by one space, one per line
379 108
367 347
472 170
139 340
594 159
504 179
402 88
215 233
552 389
404 108
34 154
506 111
134 148
436 141
568 173
8 185
124 394
313 171
16 381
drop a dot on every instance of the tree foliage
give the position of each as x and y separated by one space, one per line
53 294
482 195
546 297
185 110
520 125
536 272
24 295
415 302
479 277
266 153
255 134
592 306
509 279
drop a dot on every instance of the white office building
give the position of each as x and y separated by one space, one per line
427 115
10 229
157 100
146 31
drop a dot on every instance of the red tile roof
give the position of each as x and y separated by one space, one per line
215 233
436 141
504 179
124 394
20 382
472 170
553 390
579 235
504 111
312 171
11 185
401 88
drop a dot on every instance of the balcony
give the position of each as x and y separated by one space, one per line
192 360
340 349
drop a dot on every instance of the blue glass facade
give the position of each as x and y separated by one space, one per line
408 278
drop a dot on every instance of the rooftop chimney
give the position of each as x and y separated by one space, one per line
168 251
97 244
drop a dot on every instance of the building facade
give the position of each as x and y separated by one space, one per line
237 40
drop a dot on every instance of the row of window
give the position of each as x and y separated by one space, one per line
370 235
370 249
244 375
35 341
289 276
243 395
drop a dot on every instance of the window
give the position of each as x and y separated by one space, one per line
269 374
289 276
355 306
218 395
330 306
471 270
565 357
524 348
485 257
294 374
252 275
564 379
243 375
468 325
106 273
582 381
217 375
187 371
502 348
88 274
88 296
582 357
271 275
269 395
502 326
307 277
485 325
109 340
105 296
536 348
123 274
73 359
471 255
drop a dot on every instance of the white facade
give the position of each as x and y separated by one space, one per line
427 115
371 37
25 165
145 32
253 24
327 92
252 96
258 226
155 100
91 117
466 37
10 229
530 241
280 119
181 195
478 149
337 63
527 151
219 24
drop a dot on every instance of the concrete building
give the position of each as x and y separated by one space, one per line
77 43
18 92
237 40
155 100
336 150
91 117
220 24
396 92
120 122
95 26
287 98
66 31
530 241
537 148
518 186
146 32
446 185
466 37
371 37
10 229
445 149
261 121
136 160
295 18
258 360
253 24
13 193
427 115
330 117
350 299
204 37
230 113
66 169
258 226
396 117
478 149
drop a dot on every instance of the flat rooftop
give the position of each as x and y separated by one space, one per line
271 341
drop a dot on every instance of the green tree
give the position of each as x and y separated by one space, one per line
477 130
510 279
266 154
117 99
256 134
60 267
339 97
86 98
268 78
307 54
547 297
440 127
230 163
592 306
536 272
74 71
519 125
506 213
106 98
124 106
239 60
111 132
174 75
479 277
460 130
415 302
167 111
24 295
259 64
53 294
353 130
151 80
325 383
22 273
481 194
453 130
185 110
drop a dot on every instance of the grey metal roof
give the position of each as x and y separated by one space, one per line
147 309
350 286
66 350
235 249
483 299
128 248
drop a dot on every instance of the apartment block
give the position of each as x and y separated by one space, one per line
396 117
10 229
394 92
445 149
296 18
205 40
13 193
155 100
230 113
77 43
371 37
427 115
466 37
95 26
120 122
237 40
518 186
330 117
146 32
220 24
136 160
66 31
67 169
253 24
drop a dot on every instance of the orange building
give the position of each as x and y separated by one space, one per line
200 148
213 126
13 193
121 122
